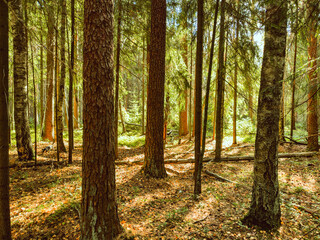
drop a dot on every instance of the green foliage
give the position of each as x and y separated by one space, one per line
131 141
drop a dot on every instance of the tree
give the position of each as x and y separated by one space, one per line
5 231
117 75
70 108
235 91
265 204
312 118
154 155
47 134
24 144
198 81
99 217
59 123
221 73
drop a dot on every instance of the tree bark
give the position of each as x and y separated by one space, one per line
71 74
312 118
99 217
24 144
265 204
116 113
220 84
59 123
154 155
48 126
5 230
198 97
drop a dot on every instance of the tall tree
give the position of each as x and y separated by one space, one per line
99 216
48 126
235 93
154 155
24 144
59 123
293 84
265 204
220 84
5 231
312 118
198 97
70 108
117 76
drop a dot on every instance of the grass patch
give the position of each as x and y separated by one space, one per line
131 141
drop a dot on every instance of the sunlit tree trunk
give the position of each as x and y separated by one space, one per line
5 230
62 148
154 154
24 144
220 84
312 118
48 126
71 75
99 216
265 203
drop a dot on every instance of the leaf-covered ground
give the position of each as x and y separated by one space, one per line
45 201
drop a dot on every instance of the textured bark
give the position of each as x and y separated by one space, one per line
117 78
198 97
48 126
41 82
60 142
265 204
70 105
221 73
154 155
24 144
312 118
5 231
143 88
99 217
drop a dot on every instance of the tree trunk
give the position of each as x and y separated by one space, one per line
265 204
154 155
5 230
71 74
24 144
198 97
235 91
312 118
59 123
143 87
41 83
183 128
116 113
220 84
293 120
99 216
50 67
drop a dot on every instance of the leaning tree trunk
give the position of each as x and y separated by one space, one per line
265 204
312 118
5 231
99 217
24 144
154 154
59 123
48 126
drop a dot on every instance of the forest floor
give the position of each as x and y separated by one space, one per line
45 201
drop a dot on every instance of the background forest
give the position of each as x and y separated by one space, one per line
48 60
